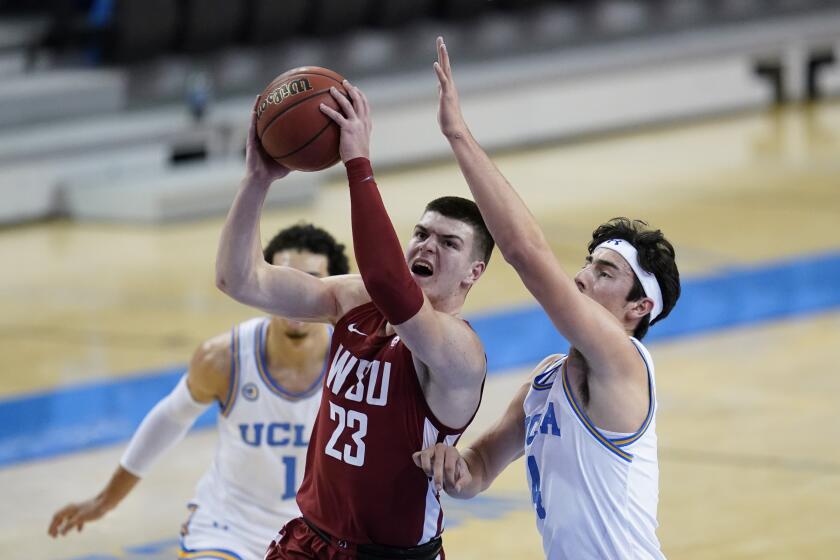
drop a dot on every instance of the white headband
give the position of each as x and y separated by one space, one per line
648 280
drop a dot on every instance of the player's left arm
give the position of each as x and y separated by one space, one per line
445 344
587 325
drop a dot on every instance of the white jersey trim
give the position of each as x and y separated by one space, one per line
433 523
233 382
613 444
270 383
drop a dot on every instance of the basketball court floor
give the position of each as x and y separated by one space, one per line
748 399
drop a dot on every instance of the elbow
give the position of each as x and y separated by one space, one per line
521 247
231 284
222 284
521 253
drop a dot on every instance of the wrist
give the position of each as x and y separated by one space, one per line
254 180
106 501
456 134
358 169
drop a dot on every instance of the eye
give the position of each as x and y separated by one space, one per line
420 235
450 244
603 274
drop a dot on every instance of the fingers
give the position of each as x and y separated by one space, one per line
445 467
443 57
360 100
438 466
334 115
64 520
252 128
451 467
461 474
346 106
57 520
442 79
426 460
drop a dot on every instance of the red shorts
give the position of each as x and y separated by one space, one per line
298 541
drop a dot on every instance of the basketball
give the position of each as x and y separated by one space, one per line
290 125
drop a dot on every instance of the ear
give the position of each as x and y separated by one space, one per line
635 310
476 270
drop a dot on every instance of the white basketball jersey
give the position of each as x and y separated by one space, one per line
594 492
264 430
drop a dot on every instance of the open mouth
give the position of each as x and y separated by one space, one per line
422 268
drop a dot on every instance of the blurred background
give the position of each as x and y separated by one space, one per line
122 129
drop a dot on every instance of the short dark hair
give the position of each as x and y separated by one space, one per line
465 210
307 237
656 255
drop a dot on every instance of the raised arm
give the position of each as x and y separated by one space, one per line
162 428
582 321
444 344
241 271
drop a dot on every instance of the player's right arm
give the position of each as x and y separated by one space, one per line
241 270
165 425
464 474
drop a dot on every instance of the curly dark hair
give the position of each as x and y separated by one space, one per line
307 237
656 255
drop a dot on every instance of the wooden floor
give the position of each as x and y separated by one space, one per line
748 418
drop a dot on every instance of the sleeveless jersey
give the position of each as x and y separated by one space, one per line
595 492
361 484
264 431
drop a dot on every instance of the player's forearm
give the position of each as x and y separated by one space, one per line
378 251
239 252
479 481
512 225
163 427
121 484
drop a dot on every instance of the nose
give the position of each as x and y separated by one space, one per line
579 281
427 245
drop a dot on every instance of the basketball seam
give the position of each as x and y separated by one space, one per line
295 104
293 152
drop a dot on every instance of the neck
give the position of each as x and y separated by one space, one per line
451 305
283 351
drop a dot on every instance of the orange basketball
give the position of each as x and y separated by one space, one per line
290 125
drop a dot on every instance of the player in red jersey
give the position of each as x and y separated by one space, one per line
405 371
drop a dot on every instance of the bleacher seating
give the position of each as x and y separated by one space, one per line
60 90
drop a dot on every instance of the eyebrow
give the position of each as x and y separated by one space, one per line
448 236
602 262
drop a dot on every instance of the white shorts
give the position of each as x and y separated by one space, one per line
207 534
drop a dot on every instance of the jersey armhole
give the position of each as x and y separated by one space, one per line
233 382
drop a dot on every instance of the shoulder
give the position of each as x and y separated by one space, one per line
544 365
349 291
209 373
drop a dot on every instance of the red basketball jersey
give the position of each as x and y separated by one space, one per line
361 484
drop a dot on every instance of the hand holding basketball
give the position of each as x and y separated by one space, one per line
258 164
450 118
355 122
289 125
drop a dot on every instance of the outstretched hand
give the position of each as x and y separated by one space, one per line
450 118
74 516
445 466
258 164
355 122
